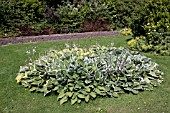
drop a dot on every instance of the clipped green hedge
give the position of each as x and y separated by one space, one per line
79 74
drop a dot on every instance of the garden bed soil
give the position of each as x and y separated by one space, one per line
26 39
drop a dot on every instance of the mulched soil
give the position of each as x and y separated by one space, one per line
26 39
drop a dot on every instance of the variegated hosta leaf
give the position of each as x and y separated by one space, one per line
78 74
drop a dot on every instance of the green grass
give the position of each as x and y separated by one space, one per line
14 98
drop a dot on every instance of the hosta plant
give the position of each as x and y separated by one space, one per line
80 74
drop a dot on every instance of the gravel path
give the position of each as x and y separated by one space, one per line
26 39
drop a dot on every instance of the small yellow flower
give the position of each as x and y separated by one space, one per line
19 78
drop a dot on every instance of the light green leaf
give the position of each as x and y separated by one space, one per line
87 98
146 80
73 101
33 89
69 94
87 89
61 95
56 88
63 100
114 94
117 89
71 88
101 88
135 91
93 94
80 95
97 91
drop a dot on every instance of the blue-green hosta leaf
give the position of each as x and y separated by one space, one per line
73 101
63 100
93 94
87 98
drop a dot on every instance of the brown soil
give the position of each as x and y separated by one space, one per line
26 39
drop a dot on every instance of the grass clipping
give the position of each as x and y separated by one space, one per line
78 74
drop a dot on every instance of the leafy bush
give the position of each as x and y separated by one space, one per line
126 31
153 27
78 74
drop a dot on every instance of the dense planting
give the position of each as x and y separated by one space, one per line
79 74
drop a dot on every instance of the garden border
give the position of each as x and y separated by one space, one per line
42 38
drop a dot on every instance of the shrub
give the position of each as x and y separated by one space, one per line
126 31
153 24
78 74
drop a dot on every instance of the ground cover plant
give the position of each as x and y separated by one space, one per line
78 74
15 99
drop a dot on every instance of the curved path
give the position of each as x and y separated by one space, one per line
26 39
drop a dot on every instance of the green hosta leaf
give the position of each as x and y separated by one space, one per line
80 95
87 89
117 89
101 88
87 98
79 100
138 87
97 91
63 100
33 89
114 94
135 91
93 94
69 94
70 80
87 81
46 92
71 88
153 74
61 95
146 80
73 101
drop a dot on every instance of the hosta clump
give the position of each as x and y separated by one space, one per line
78 74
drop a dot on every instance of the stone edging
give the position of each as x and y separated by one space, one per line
42 38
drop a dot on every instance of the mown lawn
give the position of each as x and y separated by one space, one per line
14 98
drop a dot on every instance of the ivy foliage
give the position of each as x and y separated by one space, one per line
79 74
